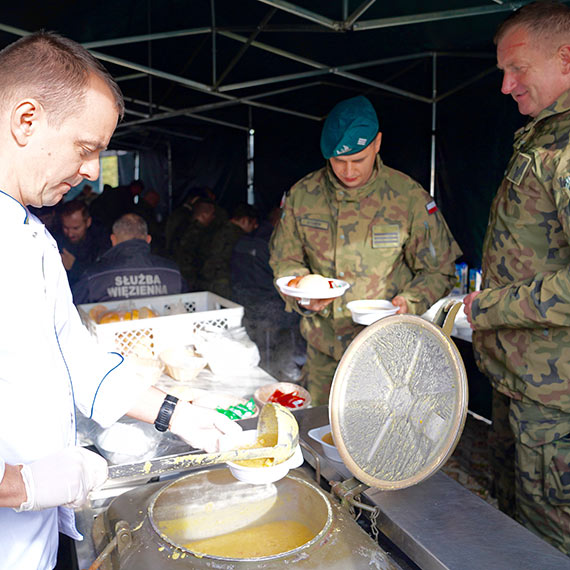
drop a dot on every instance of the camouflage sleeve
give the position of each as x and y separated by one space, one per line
430 252
213 263
287 255
185 255
540 302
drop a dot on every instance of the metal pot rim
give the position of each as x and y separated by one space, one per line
314 540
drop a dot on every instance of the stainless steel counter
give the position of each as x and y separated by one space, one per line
441 525
437 524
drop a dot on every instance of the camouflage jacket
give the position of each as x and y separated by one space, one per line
216 271
381 238
522 315
191 250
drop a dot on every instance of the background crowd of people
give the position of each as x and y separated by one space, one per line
118 237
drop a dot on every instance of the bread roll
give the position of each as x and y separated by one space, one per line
315 283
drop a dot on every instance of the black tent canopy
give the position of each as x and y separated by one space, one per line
200 76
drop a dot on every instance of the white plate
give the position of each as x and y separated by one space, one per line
368 311
338 289
317 434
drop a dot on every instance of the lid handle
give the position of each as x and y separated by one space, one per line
445 316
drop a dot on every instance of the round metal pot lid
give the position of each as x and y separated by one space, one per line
398 402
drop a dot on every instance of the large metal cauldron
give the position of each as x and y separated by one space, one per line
155 522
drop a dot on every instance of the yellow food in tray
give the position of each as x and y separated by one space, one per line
101 315
264 540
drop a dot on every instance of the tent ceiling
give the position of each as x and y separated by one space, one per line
185 66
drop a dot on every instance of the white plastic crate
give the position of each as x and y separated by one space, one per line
203 309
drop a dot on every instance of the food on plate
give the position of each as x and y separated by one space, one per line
295 281
287 399
101 315
327 438
313 282
267 539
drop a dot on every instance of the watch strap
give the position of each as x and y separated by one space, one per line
165 413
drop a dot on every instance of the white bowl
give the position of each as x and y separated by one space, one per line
368 311
263 393
127 442
317 435
262 475
182 363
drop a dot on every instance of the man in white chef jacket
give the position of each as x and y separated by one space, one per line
58 110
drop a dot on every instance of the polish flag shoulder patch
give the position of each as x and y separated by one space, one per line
431 207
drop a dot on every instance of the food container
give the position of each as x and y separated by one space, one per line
180 317
182 363
262 394
366 312
160 525
397 408
150 369
261 475
228 352
127 442
317 434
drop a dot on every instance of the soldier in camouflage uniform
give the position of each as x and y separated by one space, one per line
191 249
521 317
363 222
216 272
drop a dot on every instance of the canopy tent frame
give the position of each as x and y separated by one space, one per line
350 22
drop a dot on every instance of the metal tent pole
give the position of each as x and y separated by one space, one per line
250 161
169 159
433 124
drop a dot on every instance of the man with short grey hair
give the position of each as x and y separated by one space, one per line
521 316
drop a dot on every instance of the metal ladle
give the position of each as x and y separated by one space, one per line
277 428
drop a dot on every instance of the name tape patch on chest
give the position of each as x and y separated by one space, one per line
314 223
518 168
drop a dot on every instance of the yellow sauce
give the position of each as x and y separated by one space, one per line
327 438
264 540
262 441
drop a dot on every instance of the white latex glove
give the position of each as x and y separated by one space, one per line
62 479
202 428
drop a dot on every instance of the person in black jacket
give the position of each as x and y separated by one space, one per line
128 270
82 240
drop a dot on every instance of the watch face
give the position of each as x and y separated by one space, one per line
165 413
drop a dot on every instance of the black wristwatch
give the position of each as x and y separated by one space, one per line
165 413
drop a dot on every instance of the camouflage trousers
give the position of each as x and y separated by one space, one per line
317 375
541 471
502 454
